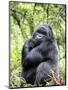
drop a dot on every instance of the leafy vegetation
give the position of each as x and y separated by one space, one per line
24 17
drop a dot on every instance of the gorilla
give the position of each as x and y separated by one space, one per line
40 56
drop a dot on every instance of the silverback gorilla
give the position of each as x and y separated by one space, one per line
40 56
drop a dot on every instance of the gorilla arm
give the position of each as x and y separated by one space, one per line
35 56
28 46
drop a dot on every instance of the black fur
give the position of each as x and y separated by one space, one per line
40 56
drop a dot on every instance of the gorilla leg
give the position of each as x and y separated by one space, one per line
44 73
29 75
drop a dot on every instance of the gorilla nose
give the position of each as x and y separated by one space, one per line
38 37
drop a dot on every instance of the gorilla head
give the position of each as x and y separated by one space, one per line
43 33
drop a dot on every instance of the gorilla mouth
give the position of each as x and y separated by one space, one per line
37 42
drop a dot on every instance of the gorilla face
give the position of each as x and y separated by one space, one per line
39 37
42 34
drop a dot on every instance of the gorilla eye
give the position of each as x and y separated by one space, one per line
45 33
42 32
35 34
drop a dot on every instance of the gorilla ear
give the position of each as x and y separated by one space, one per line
51 35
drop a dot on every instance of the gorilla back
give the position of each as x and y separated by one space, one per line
40 56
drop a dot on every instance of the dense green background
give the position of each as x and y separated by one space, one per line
24 17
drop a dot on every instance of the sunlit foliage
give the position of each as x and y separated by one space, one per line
24 17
